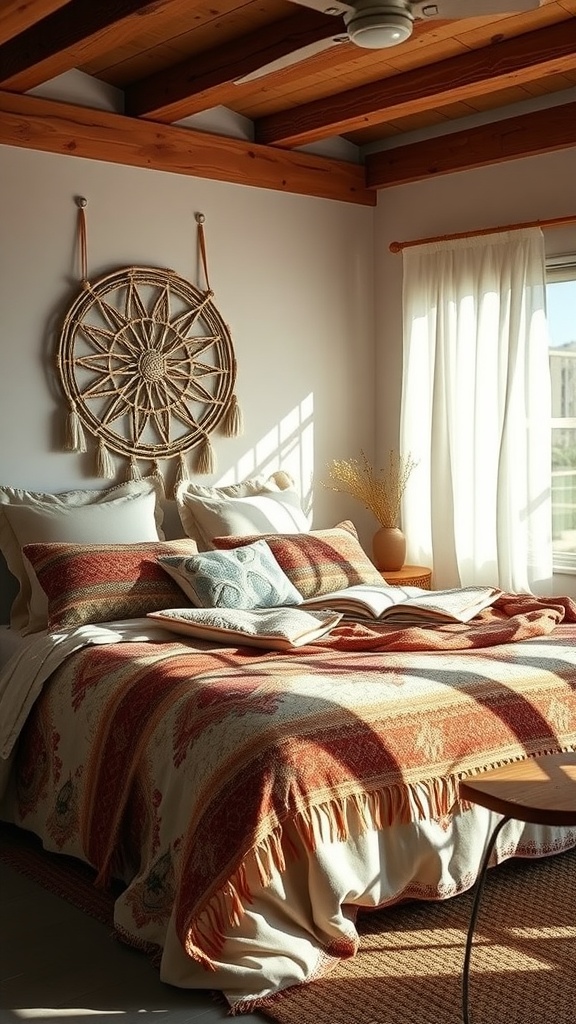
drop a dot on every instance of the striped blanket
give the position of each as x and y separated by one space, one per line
200 774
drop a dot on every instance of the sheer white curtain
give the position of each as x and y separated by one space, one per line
476 411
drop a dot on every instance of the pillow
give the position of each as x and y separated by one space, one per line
254 485
245 577
104 582
204 511
278 512
61 517
279 629
318 562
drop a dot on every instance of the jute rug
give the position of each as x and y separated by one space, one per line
408 969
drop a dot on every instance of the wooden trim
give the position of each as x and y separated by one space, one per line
34 123
543 131
552 222
510 62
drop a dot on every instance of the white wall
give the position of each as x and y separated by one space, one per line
293 279
535 188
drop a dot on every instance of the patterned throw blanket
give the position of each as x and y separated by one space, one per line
200 760
512 617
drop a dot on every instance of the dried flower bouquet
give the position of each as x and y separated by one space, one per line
379 491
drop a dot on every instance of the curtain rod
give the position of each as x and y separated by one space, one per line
554 222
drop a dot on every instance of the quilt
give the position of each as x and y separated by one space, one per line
252 801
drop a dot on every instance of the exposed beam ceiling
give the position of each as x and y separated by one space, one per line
542 131
171 59
34 123
509 62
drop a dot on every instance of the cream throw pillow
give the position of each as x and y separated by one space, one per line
278 512
279 481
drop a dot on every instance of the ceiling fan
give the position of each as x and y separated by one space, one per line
376 24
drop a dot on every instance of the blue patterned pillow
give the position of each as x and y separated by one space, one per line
242 577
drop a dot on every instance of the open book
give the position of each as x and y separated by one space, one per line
407 604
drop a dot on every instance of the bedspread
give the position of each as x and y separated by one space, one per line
207 776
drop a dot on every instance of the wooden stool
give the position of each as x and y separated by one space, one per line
539 790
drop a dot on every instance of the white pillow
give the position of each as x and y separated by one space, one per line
127 513
279 629
277 512
254 485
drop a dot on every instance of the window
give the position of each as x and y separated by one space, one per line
561 314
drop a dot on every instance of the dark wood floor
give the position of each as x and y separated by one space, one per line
60 966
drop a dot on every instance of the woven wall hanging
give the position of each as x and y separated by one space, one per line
147 366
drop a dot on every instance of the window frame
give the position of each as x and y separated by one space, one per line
562 268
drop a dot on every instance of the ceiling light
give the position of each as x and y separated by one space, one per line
376 25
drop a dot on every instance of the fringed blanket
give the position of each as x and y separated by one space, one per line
512 617
200 774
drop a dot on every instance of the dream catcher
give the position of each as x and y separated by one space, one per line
147 366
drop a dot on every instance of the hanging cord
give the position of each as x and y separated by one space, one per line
82 203
232 424
200 219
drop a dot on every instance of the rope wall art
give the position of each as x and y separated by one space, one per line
147 366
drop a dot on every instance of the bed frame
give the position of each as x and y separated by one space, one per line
8 591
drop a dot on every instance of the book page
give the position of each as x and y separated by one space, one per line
408 603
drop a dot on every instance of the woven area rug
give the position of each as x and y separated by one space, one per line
408 969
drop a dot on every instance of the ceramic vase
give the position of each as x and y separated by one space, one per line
389 548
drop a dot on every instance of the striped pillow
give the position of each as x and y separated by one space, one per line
105 582
318 562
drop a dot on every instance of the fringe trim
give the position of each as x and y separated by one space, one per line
332 821
104 464
157 474
134 471
75 438
206 462
233 422
182 474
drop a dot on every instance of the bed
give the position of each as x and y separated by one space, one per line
254 799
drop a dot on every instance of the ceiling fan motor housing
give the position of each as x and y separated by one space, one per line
374 24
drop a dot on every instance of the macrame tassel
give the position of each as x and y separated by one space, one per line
134 472
182 473
157 472
104 464
233 424
75 439
206 462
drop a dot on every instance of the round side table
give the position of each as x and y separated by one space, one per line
541 790
409 576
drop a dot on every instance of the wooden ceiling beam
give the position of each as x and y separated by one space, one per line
508 62
51 127
72 35
207 79
16 16
542 131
